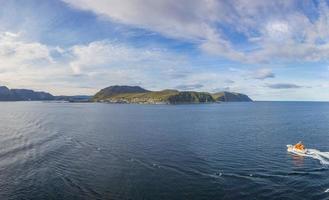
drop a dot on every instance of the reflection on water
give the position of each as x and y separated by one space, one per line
297 159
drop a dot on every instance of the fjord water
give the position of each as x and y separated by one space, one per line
209 151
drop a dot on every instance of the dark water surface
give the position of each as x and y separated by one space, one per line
215 151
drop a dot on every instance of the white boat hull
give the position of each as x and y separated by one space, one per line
292 149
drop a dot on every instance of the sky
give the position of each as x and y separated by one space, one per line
269 50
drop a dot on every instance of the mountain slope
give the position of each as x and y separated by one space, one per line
116 90
230 97
7 94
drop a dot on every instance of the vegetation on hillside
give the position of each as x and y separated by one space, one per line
230 96
136 94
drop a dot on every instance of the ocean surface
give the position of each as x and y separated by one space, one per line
210 151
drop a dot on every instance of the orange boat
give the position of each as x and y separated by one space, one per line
298 148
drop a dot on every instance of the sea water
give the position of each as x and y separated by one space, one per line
207 151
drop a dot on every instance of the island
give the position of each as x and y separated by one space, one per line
139 95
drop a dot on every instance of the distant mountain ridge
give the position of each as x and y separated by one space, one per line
7 94
126 94
75 98
136 94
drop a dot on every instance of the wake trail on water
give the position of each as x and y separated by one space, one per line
323 157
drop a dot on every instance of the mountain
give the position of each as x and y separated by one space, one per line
230 97
7 94
136 94
116 90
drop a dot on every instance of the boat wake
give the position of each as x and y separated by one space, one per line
323 157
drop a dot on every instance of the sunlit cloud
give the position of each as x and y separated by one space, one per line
277 29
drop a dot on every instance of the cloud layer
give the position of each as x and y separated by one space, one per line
87 68
284 86
263 73
267 30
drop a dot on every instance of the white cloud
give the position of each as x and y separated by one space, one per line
85 68
104 63
186 19
277 29
25 63
14 52
263 73
108 55
192 20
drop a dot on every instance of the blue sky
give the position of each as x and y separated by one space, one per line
270 50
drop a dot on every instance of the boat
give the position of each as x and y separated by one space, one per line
292 149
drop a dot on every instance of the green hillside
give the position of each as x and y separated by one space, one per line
230 97
136 94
